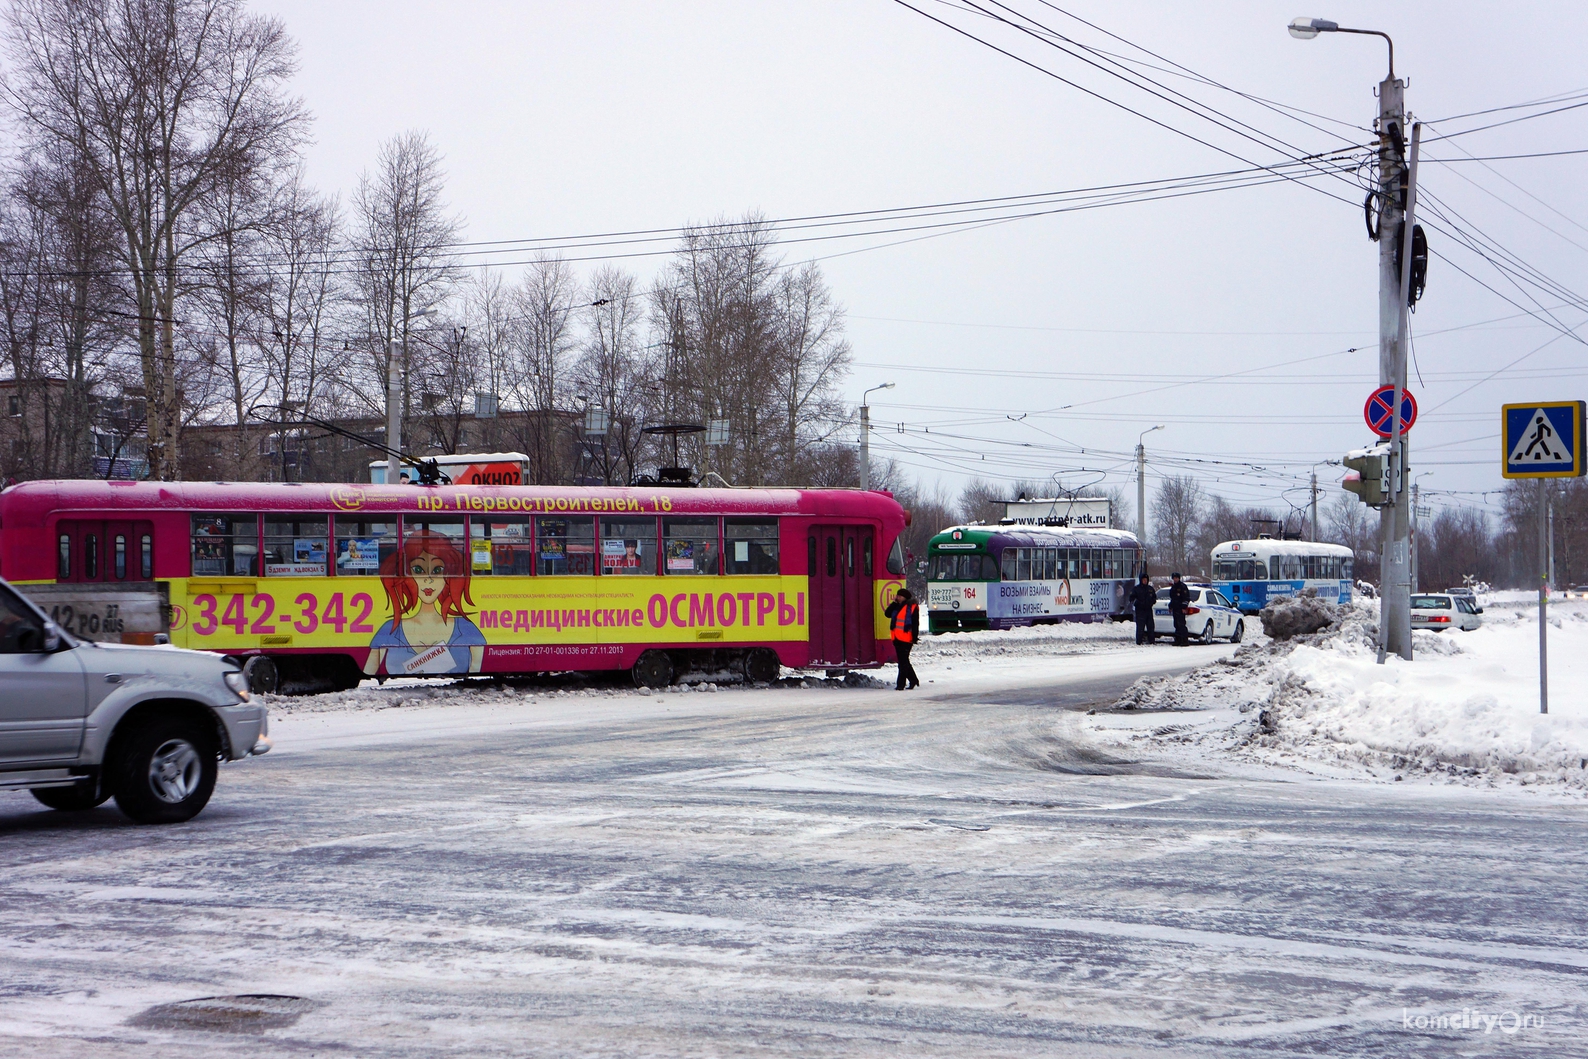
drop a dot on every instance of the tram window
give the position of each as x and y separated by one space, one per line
1022 564
865 560
225 545
690 545
628 546
810 556
90 557
989 568
362 545
1259 572
896 557
752 546
121 557
849 557
1050 563
832 556
564 546
1226 570
944 568
296 545
500 545
63 558
146 557
1345 568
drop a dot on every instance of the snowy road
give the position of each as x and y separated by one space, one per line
814 872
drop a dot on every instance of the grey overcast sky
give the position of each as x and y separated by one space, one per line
561 119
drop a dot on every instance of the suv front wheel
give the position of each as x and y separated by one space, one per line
164 771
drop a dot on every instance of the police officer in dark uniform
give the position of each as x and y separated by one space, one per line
1179 600
1142 598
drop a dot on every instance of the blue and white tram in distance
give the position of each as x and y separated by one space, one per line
1251 573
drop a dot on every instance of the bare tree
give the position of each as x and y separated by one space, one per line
545 300
807 362
58 326
296 296
157 98
1176 513
613 373
403 237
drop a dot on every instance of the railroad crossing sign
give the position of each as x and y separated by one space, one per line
1543 439
1380 411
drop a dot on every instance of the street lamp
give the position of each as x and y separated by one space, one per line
1304 28
1141 486
1397 208
865 434
394 402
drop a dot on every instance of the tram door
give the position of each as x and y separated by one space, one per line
841 563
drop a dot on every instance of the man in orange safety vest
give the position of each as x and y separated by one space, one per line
904 617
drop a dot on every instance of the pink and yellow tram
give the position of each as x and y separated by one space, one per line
333 583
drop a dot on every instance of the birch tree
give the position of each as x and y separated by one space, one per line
156 98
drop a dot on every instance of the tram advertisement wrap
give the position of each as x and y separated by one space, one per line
440 630
1052 599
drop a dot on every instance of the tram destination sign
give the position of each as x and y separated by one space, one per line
1542 439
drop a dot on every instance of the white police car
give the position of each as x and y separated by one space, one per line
1208 617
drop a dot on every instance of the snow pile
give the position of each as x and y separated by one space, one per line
1466 706
1291 616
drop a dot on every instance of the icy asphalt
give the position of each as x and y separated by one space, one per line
821 872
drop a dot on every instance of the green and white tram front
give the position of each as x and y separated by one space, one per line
959 573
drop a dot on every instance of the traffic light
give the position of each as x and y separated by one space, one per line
1372 467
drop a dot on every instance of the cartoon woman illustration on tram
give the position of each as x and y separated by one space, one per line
427 584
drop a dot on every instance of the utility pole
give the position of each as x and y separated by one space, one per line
1141 492
1414 538
1315 505
394 413
865 447
1397 211
865 435
1141 487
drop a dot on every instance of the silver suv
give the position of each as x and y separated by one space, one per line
81 722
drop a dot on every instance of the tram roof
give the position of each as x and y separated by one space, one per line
1269 546
1040 536
31 500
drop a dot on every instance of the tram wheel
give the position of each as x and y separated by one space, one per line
262 675
762 665
653 669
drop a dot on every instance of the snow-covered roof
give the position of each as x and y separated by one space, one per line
1076 536
1278 547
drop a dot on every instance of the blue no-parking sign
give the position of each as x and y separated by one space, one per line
1543 439
1380 411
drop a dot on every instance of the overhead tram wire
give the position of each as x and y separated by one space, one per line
1061 202
1048 35
973 6
1559 97
1106 99
1181 70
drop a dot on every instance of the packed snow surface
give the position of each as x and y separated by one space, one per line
573 867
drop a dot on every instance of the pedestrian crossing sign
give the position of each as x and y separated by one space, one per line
1542 439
